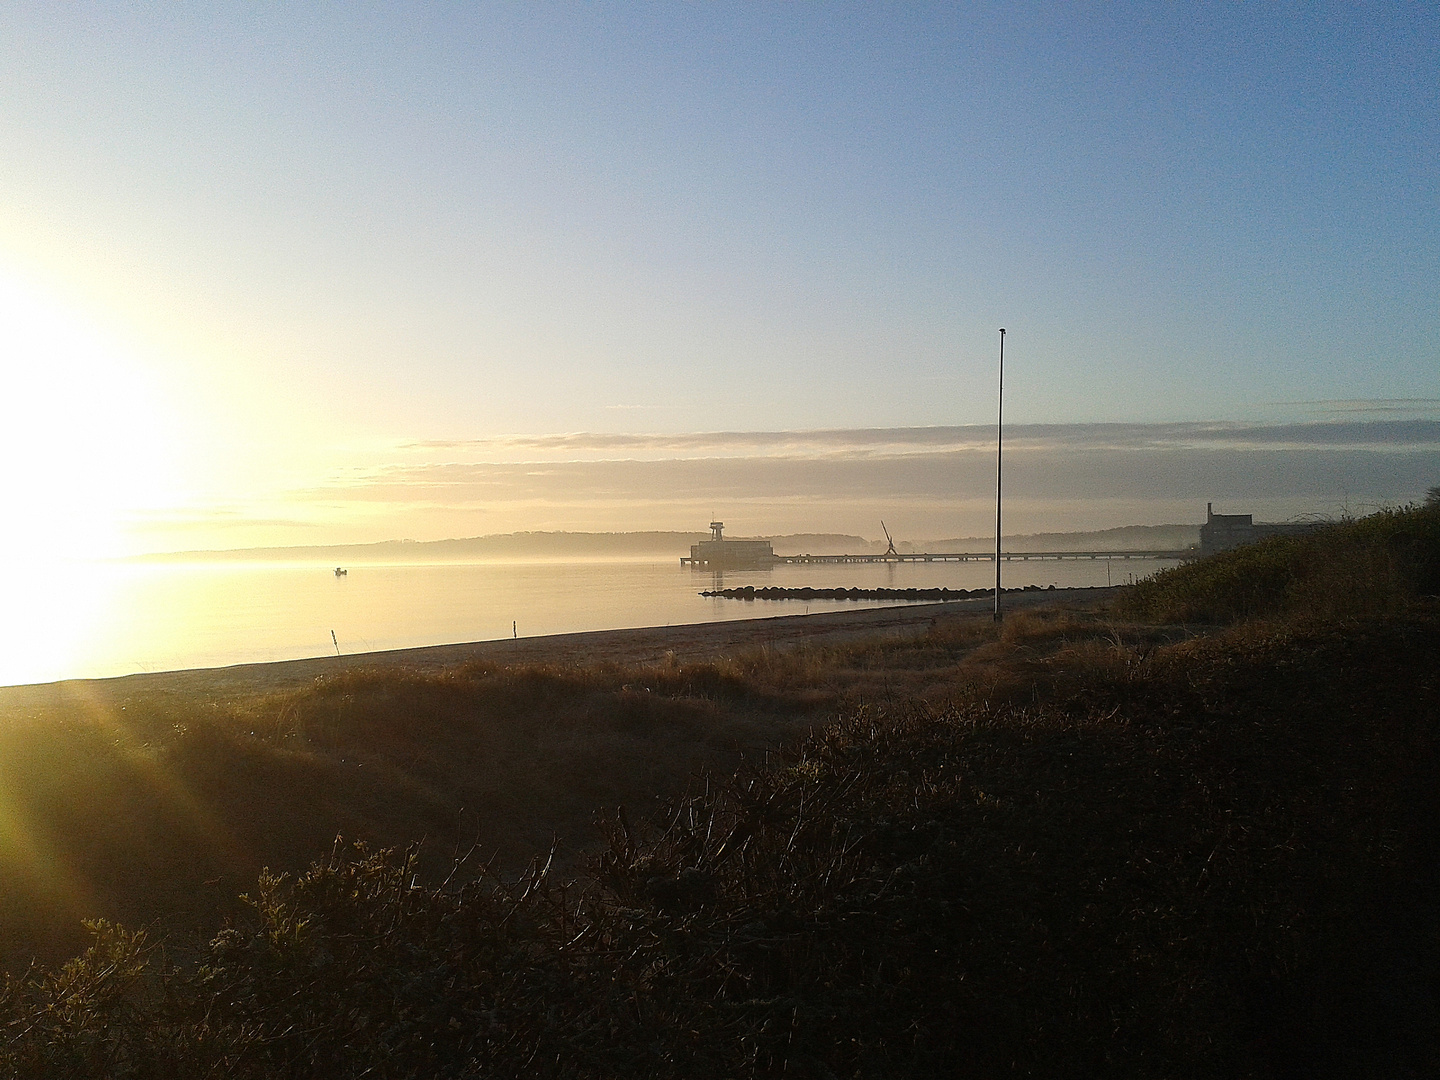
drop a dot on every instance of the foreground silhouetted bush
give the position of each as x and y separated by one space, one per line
1209 859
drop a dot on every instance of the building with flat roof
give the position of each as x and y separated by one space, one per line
717 553
1221 532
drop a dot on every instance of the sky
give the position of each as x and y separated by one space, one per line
304 273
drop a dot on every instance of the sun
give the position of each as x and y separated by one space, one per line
85 438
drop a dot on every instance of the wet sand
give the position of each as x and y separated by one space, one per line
689 642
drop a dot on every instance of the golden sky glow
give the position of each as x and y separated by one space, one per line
87 438
113 447
272 276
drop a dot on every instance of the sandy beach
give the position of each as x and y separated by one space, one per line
689 642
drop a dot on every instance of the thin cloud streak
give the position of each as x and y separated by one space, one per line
937 467
1375 407
928 482
594 446
1092 472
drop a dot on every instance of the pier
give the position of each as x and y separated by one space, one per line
966 556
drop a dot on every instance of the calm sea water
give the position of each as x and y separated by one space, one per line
97 621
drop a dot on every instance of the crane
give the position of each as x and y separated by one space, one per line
890 550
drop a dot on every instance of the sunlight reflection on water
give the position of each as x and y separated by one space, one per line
99 620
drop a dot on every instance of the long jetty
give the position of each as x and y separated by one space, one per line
980 556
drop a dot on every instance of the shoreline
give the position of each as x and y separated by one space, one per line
636 645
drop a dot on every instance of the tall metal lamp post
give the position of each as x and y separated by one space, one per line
999 472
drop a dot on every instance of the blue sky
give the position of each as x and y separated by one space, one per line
320 232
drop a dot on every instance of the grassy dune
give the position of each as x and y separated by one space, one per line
156 806
1080 846
1373 566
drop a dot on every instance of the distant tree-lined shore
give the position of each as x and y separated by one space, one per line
543 545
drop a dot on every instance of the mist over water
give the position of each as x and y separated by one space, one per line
103 620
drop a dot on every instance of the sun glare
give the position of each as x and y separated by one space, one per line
84 433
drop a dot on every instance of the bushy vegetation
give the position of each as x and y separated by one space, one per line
1206 859
150 804
1074 847
160 806
1374 565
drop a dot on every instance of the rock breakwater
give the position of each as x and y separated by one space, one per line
768 592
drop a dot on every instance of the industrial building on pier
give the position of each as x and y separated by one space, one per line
717 553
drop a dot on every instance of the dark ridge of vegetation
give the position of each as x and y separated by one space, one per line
165 807
1204 859
1374 565
151 806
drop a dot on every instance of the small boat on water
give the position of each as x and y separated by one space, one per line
340 571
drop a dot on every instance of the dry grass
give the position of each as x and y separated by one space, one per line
159 808
1072 847
1205 858
1378 565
